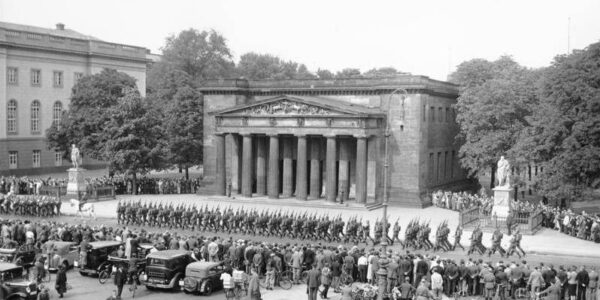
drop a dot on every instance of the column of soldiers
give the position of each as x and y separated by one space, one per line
30 205
303 226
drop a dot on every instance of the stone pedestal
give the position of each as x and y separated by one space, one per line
76 183
503 199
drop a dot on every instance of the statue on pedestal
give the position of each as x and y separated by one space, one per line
503 172
75 156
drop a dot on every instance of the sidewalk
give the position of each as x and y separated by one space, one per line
545 241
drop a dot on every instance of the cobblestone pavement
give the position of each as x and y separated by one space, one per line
545 241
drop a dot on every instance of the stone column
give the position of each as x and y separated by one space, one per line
361 168
220 168
301 175
331 157
273 181
236 163
287 168
247 165
261 167
315 168
344 170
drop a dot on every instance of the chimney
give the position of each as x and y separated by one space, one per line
60 26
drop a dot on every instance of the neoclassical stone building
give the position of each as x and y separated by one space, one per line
312 139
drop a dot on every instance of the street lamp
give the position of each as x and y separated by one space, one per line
387 163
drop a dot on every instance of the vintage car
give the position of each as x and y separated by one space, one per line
14 284
61 253
21 256
110 266
97 255
165 268
202 277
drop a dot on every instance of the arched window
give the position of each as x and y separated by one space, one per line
35 116
56 114
11 116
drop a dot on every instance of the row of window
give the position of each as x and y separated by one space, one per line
34 115
12 77
36 158
443 114
443 168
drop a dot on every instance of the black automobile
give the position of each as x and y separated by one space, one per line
165 268
22 256
97 255
14 283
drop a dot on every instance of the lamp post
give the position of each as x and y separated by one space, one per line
386 164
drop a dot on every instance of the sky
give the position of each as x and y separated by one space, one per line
422 37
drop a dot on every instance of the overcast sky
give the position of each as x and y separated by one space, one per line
421 37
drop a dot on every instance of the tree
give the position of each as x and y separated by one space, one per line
325 74
495 99
183 121
258 66
381 72
348 73
564 136
82 124
202 55
135 141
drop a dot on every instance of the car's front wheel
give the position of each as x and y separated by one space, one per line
208 288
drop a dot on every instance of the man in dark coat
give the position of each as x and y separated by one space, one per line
61 281
583 280
313 281
120 279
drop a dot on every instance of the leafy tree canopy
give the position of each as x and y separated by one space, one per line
495 99
564 136
258 66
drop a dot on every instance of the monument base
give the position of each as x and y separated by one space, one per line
503 199
76 184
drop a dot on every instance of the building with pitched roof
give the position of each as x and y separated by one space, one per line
39 68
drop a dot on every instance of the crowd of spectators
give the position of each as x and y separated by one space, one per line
460 201
581 225
422 275
121 184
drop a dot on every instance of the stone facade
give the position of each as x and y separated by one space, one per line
58 56
256 132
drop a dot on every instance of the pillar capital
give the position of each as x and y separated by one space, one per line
301 135
245 134
219 133
330 136
361 136
276 135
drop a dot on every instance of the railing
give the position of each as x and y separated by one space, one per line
469 216
535 220
102 192
55 191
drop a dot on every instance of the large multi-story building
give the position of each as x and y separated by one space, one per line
312 139
39 66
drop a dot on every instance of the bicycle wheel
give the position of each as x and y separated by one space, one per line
229 294
103 276
285 280
304 276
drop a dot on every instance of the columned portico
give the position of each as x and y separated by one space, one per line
308 145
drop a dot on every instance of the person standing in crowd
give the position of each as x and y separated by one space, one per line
572 281
120 279
423 292
325 280
297 264
253 286
40 271
583 280
593 284
61 281
44 293
313 281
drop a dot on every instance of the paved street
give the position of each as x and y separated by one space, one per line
544 241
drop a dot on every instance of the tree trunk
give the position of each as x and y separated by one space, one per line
134 184
179 169
493 176
187 173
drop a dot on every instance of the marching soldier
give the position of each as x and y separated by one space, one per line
496 240
457 235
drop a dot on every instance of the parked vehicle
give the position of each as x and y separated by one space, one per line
97 255
202 277
164 269
62 253
21 256
14 283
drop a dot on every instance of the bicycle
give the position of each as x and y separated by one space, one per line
283 278
521 293
346 278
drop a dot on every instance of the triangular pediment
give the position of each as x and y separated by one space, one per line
290 105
